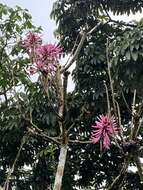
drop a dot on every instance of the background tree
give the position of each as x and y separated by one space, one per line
20 97
91 72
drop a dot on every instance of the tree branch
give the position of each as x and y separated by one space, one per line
119 177
111 81
80 45
139 167
134 122
108 101
38 132
6 185
43 135
79 142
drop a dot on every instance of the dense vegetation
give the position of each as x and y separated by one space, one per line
111 56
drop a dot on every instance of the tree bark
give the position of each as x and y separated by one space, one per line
61 166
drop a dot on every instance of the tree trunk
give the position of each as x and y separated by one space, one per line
60 168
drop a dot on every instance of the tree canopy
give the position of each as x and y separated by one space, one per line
108 80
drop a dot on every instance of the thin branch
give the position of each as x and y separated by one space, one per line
139 167
80 45
112 94
108 101
77 51
73 49
5 90
43 135
126 102
119 122
83 110
95 28
6 185
116 21
65 83
79 142
138 128
37 131
119 177
123 23
133 124
111 81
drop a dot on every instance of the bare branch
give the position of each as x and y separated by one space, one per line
80 142
73 49
108 101
83 111
123 23
120 177
133 122
80 45
42 134
119 122
126 102
139 167
116 21
138 128
77 51
6 185
111 81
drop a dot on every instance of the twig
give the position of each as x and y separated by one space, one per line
119 121
79 117
138 128
116 21
77 51
79 142
43 135
6 185
73 49
112 94
111 81
126 102
119 177
39 131
80 45
65 83
108 101
139 167
133 124
123 23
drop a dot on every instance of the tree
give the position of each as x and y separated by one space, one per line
48 128
91 69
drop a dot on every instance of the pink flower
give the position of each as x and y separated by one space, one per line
104 128
46 57
43 57
48 52
32 41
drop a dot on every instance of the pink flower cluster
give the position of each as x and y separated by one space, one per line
44 57
104 128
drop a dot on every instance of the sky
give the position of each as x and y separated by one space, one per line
40 11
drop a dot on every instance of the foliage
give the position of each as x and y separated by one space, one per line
24 104
19 97
125 56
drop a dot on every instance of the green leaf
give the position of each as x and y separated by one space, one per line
134 55
128 55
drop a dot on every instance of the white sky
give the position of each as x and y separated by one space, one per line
40 11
